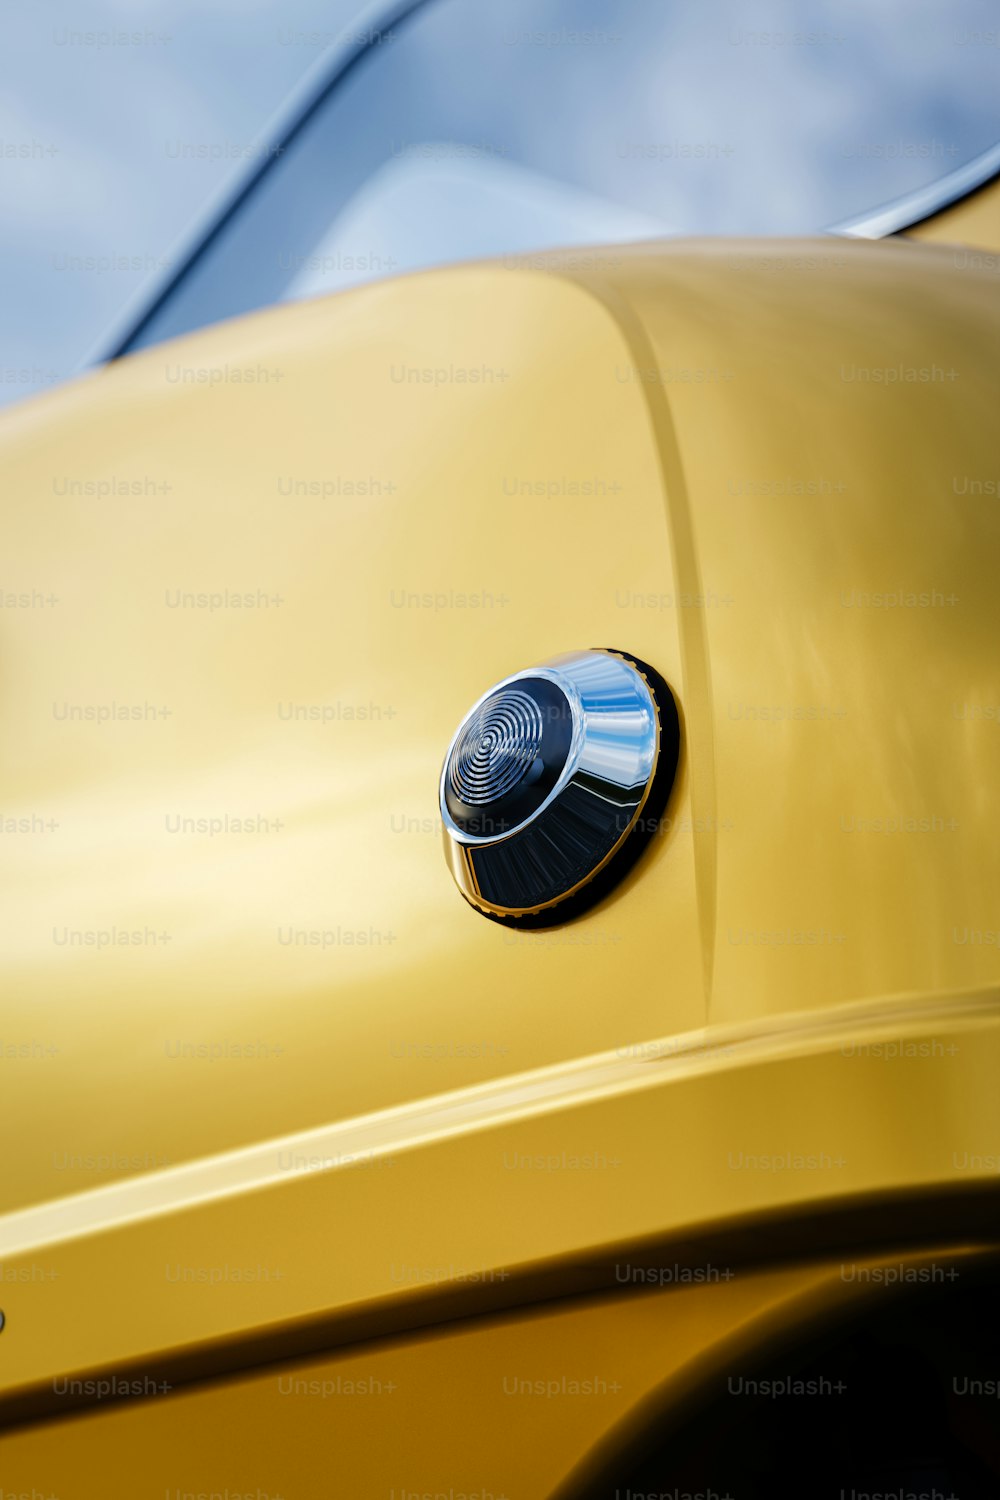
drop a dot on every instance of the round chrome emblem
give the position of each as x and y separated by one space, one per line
551 781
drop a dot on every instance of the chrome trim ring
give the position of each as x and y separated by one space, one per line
546 777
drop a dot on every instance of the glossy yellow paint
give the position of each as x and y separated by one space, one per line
972 225
876 1126
522 1407
330 527
399 608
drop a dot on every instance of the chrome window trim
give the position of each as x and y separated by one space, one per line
304 101
913 208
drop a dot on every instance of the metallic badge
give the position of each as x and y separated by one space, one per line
551 780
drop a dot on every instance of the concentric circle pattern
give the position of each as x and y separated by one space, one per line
497 748
545 778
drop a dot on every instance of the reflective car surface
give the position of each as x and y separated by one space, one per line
320 1179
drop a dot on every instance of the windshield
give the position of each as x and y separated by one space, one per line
468 130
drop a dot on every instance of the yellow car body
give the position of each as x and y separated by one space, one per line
316 1180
